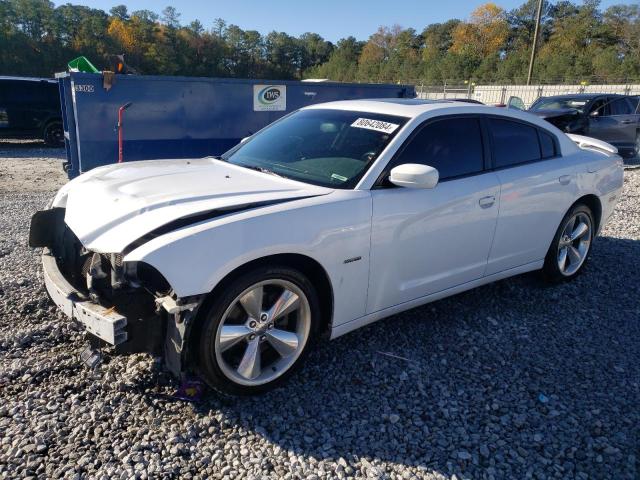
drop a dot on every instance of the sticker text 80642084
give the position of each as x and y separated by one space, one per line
377 125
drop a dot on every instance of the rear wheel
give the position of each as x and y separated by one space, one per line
571 245
258 331
53 134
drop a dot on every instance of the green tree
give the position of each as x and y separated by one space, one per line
282 55
577 41
120 11
315 50
437 38
390 54
342 63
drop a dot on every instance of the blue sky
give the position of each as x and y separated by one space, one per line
333 19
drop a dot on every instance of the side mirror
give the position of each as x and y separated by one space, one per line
414 175
595 113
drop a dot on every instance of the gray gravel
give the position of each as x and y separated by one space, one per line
30 166
511 380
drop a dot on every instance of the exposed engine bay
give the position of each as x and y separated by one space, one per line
151 319
568 120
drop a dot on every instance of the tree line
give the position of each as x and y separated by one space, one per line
577 42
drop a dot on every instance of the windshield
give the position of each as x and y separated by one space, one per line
559 104
331 148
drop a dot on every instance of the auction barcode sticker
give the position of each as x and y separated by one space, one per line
377 125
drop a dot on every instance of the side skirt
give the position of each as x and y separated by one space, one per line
372 317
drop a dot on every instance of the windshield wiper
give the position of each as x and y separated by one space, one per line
263 170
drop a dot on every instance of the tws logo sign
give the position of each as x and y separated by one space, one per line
269 98
269 95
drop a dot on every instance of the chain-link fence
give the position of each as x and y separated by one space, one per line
500 94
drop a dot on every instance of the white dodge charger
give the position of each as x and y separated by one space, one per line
333 217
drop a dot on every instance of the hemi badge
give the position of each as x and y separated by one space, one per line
354 259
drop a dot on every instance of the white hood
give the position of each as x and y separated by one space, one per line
111 207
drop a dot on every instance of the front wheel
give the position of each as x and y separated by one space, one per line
571 245
53 135
258 330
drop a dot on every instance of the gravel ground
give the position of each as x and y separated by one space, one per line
19 173
512 380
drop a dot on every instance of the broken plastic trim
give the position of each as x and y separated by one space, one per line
173 307
91 358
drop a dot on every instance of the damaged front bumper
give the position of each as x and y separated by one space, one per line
133 313
104 323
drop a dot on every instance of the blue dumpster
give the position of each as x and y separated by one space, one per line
182 117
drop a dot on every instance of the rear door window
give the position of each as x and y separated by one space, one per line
513 143
621 106
453 146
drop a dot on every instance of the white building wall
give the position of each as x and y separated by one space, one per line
499 94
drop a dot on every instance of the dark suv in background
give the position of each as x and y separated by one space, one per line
612 118
30 108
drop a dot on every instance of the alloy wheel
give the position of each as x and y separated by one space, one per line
574 244
263 332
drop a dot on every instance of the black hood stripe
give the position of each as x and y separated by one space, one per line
203 217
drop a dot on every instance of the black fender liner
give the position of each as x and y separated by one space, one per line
45 227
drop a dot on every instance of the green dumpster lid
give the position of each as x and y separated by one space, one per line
82 64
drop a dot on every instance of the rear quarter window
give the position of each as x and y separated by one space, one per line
547 144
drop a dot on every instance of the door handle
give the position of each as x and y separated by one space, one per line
486 202
565 179
626 122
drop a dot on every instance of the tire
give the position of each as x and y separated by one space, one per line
566 258
232 338
53 134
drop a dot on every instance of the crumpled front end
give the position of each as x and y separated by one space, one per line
567 120
126 305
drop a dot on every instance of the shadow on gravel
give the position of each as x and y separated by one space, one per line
29 149
632 161
510 379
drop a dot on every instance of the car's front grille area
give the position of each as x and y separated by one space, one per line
74 262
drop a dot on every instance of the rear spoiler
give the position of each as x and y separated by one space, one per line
588 143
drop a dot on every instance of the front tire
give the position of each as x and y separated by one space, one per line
258 331
571 245
53 135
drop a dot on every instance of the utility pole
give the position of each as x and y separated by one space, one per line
535 41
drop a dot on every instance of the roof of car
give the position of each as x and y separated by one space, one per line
584 96
404 107
408 101
27 79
